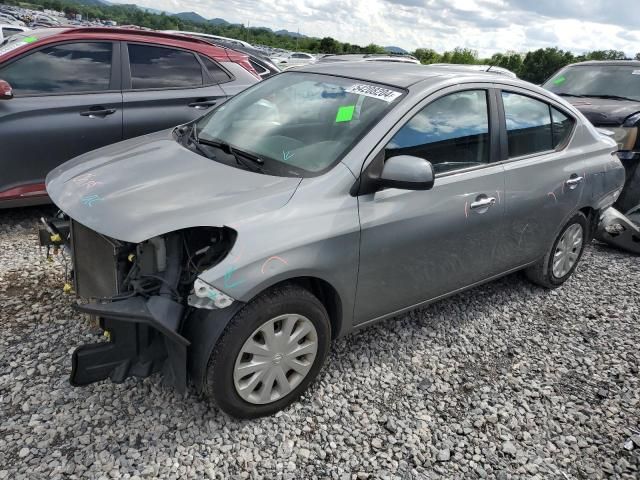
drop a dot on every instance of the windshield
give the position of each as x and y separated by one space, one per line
299 124
18 40
597 80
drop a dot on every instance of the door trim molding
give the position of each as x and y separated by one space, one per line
440 297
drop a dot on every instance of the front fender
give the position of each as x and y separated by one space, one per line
203 328
317 234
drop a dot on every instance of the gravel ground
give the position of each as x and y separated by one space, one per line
504 381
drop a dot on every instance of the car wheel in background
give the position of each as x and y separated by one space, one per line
563 257
269 353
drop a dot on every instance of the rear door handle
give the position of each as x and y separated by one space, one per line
573 182
203 104
483 203
98 112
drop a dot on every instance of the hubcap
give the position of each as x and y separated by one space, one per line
567 250
276 357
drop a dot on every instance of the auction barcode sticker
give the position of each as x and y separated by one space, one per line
372 91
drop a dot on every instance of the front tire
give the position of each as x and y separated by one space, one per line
269 353
562 259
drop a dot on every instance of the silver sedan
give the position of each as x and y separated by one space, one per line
230 251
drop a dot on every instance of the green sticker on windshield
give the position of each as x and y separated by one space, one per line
345 113
559 80
29 39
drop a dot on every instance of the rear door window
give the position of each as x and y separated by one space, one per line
65 68
528 124
452 132
160 67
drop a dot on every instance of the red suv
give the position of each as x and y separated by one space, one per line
66 91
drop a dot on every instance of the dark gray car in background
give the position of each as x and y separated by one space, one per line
608 94
73 90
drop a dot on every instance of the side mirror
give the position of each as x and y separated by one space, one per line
407 172
6 92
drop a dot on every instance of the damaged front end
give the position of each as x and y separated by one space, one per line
142 294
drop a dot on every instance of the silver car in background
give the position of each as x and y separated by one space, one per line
230 251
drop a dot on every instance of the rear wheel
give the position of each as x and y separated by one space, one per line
269 353
561 260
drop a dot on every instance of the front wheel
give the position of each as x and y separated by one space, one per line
269 353
560 262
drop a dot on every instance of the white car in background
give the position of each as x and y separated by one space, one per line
478 68
6 30
294 59
368 57
239 43
10 19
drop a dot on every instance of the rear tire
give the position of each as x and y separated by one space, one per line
561 260
255 368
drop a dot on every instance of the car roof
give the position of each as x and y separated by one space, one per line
607 63
160 37
52 35
397 74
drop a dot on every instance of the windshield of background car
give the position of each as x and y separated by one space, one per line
597 80
300 124
18 40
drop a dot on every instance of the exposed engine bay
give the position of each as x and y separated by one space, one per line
142 294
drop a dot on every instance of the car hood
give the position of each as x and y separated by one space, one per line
601 111
151 185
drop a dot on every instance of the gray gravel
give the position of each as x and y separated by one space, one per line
504 381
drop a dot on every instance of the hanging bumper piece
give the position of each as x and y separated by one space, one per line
621 231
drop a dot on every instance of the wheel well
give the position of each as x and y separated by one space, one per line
329 297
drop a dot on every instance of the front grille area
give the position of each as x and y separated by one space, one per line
95 263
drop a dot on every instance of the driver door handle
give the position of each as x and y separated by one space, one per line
98 112
202 104
573 182
483 203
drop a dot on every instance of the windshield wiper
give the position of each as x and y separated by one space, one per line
239 155
192 138
570 95
611 97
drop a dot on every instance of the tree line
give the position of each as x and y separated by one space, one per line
535 66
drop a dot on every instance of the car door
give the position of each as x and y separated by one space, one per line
67 101
165 87
419 245
543 180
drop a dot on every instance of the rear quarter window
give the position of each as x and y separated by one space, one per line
217 73
561 127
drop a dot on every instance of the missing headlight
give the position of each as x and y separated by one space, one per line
208 297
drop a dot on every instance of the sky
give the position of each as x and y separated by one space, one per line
488 26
